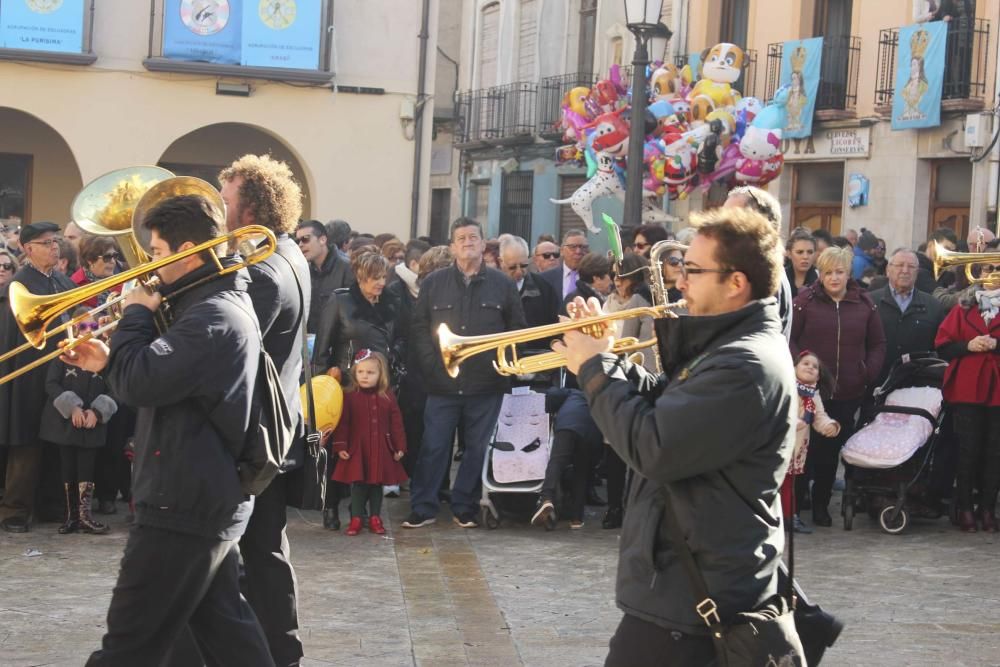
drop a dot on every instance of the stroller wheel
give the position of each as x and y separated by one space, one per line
893 527
489 520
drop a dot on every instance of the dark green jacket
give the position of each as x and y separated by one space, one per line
910 331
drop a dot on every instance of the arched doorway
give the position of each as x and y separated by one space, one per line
39 176
206 151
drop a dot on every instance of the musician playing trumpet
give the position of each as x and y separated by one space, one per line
709 441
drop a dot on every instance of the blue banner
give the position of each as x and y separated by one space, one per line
800 61
42 25
282 33
919 76
203 30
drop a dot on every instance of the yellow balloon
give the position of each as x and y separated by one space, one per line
329 400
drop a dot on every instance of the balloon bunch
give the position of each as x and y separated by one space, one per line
699 130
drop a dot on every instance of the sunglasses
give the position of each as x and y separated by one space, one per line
7 267
110 256
641 246
674 261
548 255
305 238
84 327
515 267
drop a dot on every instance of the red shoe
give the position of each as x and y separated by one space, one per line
375 525
354 527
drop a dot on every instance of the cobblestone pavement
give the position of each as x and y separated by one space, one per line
444 596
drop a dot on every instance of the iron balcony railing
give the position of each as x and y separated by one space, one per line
747 83
551 91
840 67
498 113
966 64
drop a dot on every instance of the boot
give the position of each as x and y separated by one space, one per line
87 523
70 525
988 518
331 518
967 522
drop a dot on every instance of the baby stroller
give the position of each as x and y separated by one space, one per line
889 459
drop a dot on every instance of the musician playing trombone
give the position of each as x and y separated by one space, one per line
709 442
192 385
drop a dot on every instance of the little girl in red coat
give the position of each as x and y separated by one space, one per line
369 440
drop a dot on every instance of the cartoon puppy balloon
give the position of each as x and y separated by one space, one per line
720 69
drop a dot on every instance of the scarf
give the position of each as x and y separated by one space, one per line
408 277
806 394
989 303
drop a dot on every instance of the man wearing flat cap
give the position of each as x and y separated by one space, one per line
22 400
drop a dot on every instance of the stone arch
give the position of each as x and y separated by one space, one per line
30 145
203 152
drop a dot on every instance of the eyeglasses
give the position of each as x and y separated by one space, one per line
110 256
48 243
7 267
305 238
515 267
577 247
548 255
695 270
909 267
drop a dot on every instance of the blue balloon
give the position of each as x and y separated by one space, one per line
661 108
774 116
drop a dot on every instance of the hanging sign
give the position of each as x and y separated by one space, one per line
42 25
800 71
202 30
919 76
281 33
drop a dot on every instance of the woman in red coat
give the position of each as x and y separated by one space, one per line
968 340
369 440
835 319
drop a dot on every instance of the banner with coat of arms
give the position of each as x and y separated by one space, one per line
800 72
919 76
42 25
202 30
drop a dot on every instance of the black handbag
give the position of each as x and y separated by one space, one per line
764 637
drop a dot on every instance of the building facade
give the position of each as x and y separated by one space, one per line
135 92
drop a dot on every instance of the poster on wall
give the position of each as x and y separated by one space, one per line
42 25
800 68
203 30
919 76
282 33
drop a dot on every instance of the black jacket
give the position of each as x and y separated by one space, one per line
488 304
192 388
582 290
811 276
722 475
333 275
540 302
349 323
910 331
277 304
69 387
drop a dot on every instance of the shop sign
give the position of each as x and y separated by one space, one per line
837 144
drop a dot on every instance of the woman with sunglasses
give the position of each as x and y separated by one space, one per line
98 260
8 266
673 262
646 236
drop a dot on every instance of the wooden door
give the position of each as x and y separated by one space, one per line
817 217
951 193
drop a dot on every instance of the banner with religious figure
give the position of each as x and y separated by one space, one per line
800 72
282 33
919 76
42 25
203 30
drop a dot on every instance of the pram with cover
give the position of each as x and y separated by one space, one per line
890 456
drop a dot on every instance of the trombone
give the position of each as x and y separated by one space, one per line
34 313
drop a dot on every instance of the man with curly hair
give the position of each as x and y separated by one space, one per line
259 190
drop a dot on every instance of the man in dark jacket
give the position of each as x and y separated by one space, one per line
329 270
910 318
22 400
193 387
563 277
471 299
719 477
538 298
261 191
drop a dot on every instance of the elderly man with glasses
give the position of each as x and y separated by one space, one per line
546 256
564 276
538 298
22 400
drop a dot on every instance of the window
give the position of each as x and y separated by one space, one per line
489 36
15 189
568 219
527 45
440 214
735 17
515 203
617 51
819 196
951 192
47 30
588 32
479 202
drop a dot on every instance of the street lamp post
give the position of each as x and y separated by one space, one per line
643 20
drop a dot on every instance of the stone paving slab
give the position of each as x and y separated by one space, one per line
444 596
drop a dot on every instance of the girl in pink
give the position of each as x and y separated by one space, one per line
369 440
810 376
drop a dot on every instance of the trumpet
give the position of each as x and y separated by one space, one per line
34 313
457 349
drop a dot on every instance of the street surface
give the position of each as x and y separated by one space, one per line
443 596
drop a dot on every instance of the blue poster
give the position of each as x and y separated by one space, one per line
919 76
203 30
282 33
800 61
42 25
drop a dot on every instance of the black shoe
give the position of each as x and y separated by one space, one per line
107 507
417 521
594 498
15 524
546 512
466 520
821 517
331 518
612 518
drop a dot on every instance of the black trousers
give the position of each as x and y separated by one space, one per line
113 471
269 582
639 643
978 430
824 454
568 448
77 463
172 581
616 470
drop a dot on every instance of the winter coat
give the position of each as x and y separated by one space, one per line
860 263
371 431
906 332
971 377
846 336
540 302
333 275
582 290
487 304
636 327
811 277
349 323
821 420
69 387
192 388
80 278
23 400
716 439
